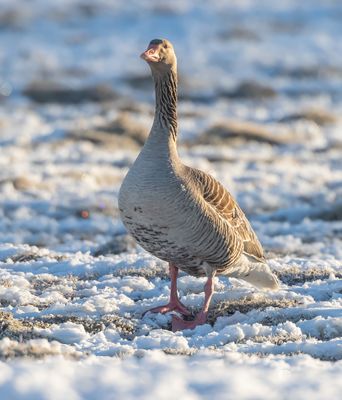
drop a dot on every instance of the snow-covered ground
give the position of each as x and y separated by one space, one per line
260 109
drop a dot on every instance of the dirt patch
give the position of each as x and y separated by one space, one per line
41 283
277 340
119 244
142 82
122 132
126 327
104 139
308 72
148 273
24 183
239 34
53 92
229 130
35 349
294 275
26 257
35 255
19 330
332 213
124 124
320 117
22 330
250 90
245 305
13 19
180 352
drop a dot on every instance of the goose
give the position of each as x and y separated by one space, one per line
181 214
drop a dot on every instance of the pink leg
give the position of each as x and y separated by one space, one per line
179 324
174 304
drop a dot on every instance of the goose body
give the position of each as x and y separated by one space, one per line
180 214
170 210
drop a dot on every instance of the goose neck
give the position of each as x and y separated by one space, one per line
165 119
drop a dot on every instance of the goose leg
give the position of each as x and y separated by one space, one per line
179 324
174 304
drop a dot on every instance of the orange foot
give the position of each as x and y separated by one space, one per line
178 324
171 306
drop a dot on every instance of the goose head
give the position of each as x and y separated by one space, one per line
160 56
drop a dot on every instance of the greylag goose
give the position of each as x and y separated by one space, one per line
181 214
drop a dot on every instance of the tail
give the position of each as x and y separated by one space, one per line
261 276
257 274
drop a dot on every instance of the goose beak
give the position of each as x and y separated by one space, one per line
151 54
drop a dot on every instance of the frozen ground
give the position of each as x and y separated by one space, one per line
261 102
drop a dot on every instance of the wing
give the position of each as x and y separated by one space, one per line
223 202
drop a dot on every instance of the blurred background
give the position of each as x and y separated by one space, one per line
260 109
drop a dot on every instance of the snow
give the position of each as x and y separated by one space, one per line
150 374
72 306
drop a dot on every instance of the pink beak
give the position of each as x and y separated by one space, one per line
151 54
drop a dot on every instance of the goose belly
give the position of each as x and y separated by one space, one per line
154 217
158 240
153 227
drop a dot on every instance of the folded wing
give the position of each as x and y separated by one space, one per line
228 209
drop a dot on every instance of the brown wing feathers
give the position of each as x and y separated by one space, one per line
219 198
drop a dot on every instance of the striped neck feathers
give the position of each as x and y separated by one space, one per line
166 103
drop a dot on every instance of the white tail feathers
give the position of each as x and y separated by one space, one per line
257 274
261 276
